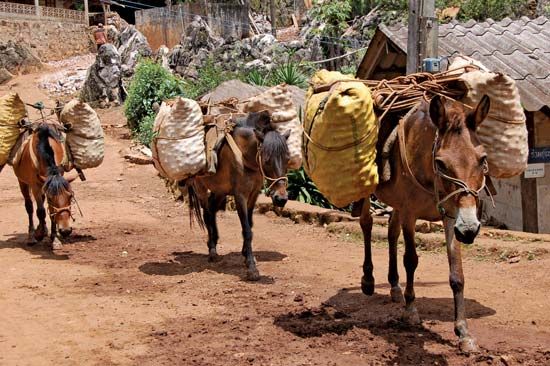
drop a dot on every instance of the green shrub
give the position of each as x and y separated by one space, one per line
151 84
145 132
289 73
256 77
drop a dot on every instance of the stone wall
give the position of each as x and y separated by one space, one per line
165 27
48 40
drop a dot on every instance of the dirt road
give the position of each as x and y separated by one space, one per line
133 287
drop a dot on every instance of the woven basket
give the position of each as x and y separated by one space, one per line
178 147
503 133
284 117
12 110
85 137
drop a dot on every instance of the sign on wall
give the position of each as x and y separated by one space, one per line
539 155
535 170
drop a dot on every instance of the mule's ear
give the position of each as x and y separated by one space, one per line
480 113
437 112
286 135
259 135
262 121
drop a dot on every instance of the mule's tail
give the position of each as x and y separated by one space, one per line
195 213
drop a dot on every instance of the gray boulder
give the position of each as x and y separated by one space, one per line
103 79
5 76
16 58
132 44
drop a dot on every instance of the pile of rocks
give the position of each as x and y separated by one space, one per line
262 52
63 83
113 62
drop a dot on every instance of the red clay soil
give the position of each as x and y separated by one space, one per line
134 287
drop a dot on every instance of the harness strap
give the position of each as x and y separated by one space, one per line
403 153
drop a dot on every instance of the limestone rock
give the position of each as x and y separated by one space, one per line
132 45
103 79
5 76
16 58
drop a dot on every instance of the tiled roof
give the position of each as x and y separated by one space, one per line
519 48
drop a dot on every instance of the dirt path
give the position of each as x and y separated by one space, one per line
134 288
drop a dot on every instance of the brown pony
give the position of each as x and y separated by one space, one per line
265 157
438 169
39 172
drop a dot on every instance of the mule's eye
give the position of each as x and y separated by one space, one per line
484 164
440 165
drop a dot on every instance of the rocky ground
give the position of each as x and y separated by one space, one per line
133 285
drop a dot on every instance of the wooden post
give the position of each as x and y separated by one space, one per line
273 18
86 13
422 35
37 7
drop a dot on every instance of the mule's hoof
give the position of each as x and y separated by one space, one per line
39 237
31 241
411 317
367 286
56 244
396 294
213 257
253 275
468 345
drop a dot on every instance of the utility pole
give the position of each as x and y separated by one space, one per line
86 13
273 18
423 33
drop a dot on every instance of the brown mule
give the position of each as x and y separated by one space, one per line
264 156
39 172
438 169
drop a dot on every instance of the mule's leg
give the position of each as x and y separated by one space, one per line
210 220
42 229
367 281
251 204
456 279
56 243
394 229
25 190
410 260
242 209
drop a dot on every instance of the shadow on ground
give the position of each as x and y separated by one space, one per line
185 263
350 308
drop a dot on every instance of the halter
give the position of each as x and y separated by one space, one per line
54 211
464 188
265 177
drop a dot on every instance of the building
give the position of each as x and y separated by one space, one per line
519 48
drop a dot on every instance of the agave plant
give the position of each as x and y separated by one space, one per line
301 188
256 77
291 74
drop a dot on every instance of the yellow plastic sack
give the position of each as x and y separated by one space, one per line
339 147
12 110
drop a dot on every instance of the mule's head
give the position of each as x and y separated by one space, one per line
59 196
460 162
273 158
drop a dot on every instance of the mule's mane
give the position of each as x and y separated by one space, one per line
274 146
55 183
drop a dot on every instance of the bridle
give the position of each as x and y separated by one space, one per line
274 181
463 186
55 211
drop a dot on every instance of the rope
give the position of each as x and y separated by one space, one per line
339 57
404 92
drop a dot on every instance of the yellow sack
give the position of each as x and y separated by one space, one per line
12 110
341 130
